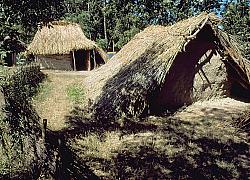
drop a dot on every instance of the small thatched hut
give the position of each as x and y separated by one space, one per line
62 45
164 68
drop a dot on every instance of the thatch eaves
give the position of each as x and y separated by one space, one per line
60 37
127 83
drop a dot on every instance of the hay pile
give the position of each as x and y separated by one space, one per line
126 86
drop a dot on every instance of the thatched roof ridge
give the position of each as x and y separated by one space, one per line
124 85
139 44
61 37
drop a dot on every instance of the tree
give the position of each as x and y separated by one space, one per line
237 22
20 18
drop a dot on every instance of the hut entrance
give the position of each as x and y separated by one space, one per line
81 60
177 90
86 60
95 59
178 87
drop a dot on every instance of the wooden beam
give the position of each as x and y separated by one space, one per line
94 58
193 36
88 64
74 60
203 73
13 59
208 58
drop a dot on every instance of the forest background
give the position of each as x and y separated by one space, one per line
112 23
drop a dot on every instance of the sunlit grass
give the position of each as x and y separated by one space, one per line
75 93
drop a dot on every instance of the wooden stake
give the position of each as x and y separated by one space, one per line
13 58
88 65
94 59
74 60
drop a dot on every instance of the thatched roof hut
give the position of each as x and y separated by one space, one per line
63 45
155 71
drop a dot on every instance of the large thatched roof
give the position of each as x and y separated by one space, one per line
61 37
128 82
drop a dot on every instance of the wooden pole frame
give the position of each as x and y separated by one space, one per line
88 60
74 60
94 58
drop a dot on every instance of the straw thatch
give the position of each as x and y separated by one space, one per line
61 37
156 69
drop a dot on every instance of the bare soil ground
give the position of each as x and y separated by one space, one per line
55 104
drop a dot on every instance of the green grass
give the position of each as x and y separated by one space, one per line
44 89
75 93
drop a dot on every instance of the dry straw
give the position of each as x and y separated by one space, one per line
124 85
61 37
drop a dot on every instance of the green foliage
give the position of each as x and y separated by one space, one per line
19 124
19 19
237 21
43 90
102 43
114 23
118 21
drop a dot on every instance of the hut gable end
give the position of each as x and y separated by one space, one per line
156 70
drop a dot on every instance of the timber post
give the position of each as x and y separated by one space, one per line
94 58
74 60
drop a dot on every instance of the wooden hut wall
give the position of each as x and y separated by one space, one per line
60 62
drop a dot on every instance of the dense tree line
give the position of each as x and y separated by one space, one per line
112 23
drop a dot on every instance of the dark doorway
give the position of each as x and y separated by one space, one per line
96 59
80 60
10 59
86 60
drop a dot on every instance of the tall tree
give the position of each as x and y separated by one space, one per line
19 19
237 22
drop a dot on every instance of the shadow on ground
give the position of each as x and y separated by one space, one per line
161 147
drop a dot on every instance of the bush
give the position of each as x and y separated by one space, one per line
20 132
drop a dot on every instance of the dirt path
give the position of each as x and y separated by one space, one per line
56 104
